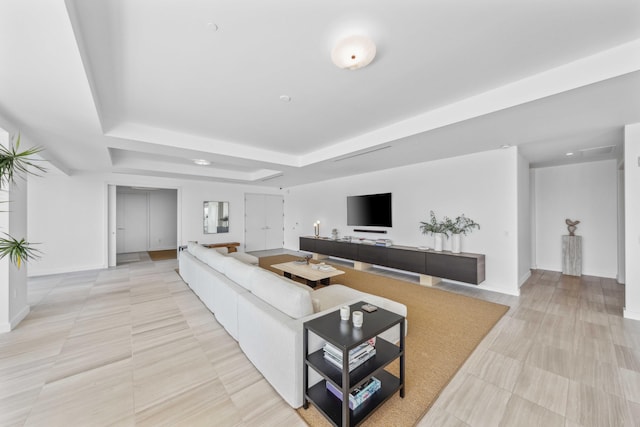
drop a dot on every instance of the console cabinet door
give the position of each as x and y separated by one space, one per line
307 244
372 254
337 249
409 260
460 268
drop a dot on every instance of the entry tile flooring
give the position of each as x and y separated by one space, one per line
133 345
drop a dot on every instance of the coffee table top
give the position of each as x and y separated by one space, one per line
306 271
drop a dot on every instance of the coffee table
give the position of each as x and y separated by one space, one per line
306 271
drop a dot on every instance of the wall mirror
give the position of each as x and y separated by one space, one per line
216 217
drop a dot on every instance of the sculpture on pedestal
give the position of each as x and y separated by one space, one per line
571 226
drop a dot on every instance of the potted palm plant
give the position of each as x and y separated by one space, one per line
439 229
461 225
13 163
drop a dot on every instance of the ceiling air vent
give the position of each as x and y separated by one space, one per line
598 151
351 156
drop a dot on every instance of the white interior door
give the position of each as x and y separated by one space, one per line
254 225
274 221
264 222
134 227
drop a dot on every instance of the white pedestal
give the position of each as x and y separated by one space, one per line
572 255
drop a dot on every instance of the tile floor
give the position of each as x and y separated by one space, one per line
134 346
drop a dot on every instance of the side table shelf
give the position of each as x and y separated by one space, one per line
344 336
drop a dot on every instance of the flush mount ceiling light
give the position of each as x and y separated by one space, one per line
569 154
201 162
353 52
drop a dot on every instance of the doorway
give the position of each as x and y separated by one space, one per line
264 222
143 224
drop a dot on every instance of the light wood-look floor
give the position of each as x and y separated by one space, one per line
128 346
134 346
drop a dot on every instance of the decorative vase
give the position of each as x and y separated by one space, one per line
455 243
437 242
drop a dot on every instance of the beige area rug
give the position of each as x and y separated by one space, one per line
443 330
162 255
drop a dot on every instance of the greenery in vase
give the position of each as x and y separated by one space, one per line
434 226
462 225
13 163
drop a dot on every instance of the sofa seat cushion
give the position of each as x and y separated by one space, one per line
281 293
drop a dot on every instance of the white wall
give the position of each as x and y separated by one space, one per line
524 221
483 186
68 215
585 192
632 225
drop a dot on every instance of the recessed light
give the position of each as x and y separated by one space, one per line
505 146
201 162
285 98
212 26
569 154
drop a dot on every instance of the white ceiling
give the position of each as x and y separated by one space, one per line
146 86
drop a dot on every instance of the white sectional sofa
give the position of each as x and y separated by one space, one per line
265 312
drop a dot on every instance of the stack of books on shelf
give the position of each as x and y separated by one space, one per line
359 395
383 242
357 356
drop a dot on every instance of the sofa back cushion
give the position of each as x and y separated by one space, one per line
199 252
191 247
209 257
292 300
239 272
216 260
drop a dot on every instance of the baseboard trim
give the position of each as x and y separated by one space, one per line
524 278
9 326
51 271
633 315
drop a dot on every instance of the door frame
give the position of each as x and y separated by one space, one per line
110 216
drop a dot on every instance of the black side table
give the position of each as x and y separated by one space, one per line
344 336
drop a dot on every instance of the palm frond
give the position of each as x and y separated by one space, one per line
17 250
14 162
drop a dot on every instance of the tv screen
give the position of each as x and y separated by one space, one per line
370 209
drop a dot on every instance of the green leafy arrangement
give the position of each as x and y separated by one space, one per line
434 226
13 163
462 225
459 225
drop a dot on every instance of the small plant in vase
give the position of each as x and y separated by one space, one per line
439 229
461 225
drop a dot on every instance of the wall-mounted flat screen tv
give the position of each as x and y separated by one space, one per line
369 210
